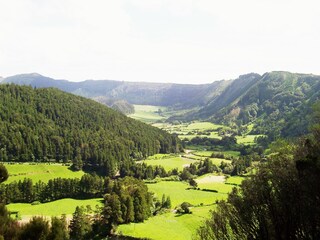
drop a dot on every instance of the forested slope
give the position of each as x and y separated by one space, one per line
279 104
48 124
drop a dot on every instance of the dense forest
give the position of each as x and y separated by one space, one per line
50 125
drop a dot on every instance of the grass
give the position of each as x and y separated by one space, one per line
178 193
248 139
168 225
232 153
235 180
207 154
39 171
147 113
193 129
203 153
203 126
171 225
169 163
55 208
220 187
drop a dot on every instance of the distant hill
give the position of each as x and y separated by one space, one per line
277 102
227 94
162 94
47 124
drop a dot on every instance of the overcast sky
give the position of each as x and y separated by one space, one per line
181 41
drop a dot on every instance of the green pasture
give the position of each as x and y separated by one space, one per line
219 186
203 126
178 193
235 180
191 130
232 153
55 208
147 113
169 163
39 171
247 139
203 153
168 225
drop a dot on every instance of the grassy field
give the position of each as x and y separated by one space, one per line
147 113
178 193
171 225
191 130
168 225
248 139
39 171
203 126
55 208
235 180
218 186
232 153
169 162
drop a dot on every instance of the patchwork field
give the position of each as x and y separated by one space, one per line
39 171
194 129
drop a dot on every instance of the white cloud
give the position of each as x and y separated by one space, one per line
158 40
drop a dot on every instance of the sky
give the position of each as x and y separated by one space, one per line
181 41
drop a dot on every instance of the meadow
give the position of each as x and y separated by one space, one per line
148 113
191 130
39 171
168 225
247 139
56 208
169 162
174 226
207 182
235 180
179 192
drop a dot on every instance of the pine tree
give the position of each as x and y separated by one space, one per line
59 229
80 225
3 173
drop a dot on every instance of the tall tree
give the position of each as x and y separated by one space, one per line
59 229
80 225
3 173
36 229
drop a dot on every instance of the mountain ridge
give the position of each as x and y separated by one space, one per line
265 100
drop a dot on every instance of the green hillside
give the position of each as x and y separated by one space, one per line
278 104
51 125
